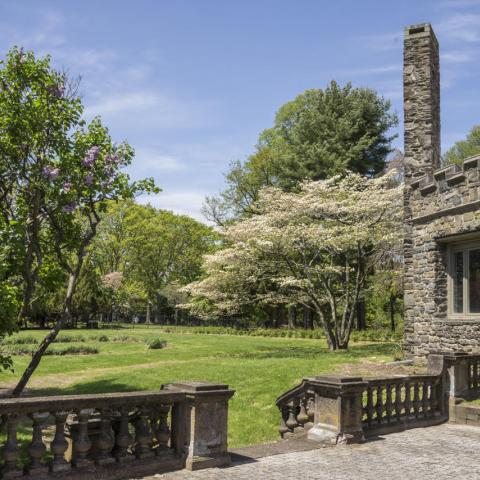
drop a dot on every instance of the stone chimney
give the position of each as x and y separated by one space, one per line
421 91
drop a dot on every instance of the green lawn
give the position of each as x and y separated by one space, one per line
259 369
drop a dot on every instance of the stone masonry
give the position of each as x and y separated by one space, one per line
442 209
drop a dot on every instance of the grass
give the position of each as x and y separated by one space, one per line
258 368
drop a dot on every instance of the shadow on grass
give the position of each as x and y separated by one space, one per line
95 386
354 352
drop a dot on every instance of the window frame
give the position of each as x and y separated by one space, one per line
465 248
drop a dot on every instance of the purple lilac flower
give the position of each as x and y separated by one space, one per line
69 208
67 186
91 156
50 173
112 158
89 179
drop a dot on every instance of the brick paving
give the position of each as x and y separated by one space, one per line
444 452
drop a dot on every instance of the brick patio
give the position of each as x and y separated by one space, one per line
443 452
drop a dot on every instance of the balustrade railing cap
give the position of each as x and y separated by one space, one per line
197 386
337 381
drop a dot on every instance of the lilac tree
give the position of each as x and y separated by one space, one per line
57 175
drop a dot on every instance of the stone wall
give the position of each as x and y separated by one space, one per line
441 205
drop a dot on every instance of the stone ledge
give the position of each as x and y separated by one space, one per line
459 209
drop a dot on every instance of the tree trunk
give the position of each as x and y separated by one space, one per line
147 318
392 313
292 315
30 274
361 315
52 335
307 318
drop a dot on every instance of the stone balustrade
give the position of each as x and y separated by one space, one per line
392 404
117 435
297 409
334 409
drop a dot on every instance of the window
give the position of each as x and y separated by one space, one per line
465 281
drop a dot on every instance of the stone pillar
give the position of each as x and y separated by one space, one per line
200 424
453 369
421 90
338 410
456 368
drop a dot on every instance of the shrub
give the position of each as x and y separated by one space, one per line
65 338
19 340
156 344
63 350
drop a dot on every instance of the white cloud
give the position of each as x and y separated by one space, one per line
383 41
129 102
464 27
460 3
385 69
148 161
182 202
457 56
149 109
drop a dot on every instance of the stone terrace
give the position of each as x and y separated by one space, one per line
444 452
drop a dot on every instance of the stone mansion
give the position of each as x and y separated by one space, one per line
442 217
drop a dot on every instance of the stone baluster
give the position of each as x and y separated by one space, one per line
408 398
292 418
311 408
105 440
388 403
283 429
416 399
369 408
379 404
37 448
433 396
143 436
81 440
59 444
163 431
398 401
302 417
11 450
425 392
123 438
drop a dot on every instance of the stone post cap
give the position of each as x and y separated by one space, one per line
342 384
200 388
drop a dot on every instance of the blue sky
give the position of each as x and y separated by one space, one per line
191 83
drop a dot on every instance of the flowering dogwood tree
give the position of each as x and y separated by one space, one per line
57 174
315 247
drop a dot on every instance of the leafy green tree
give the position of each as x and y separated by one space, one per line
321 133
37 109
464 148
315 247
57 175
152 249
